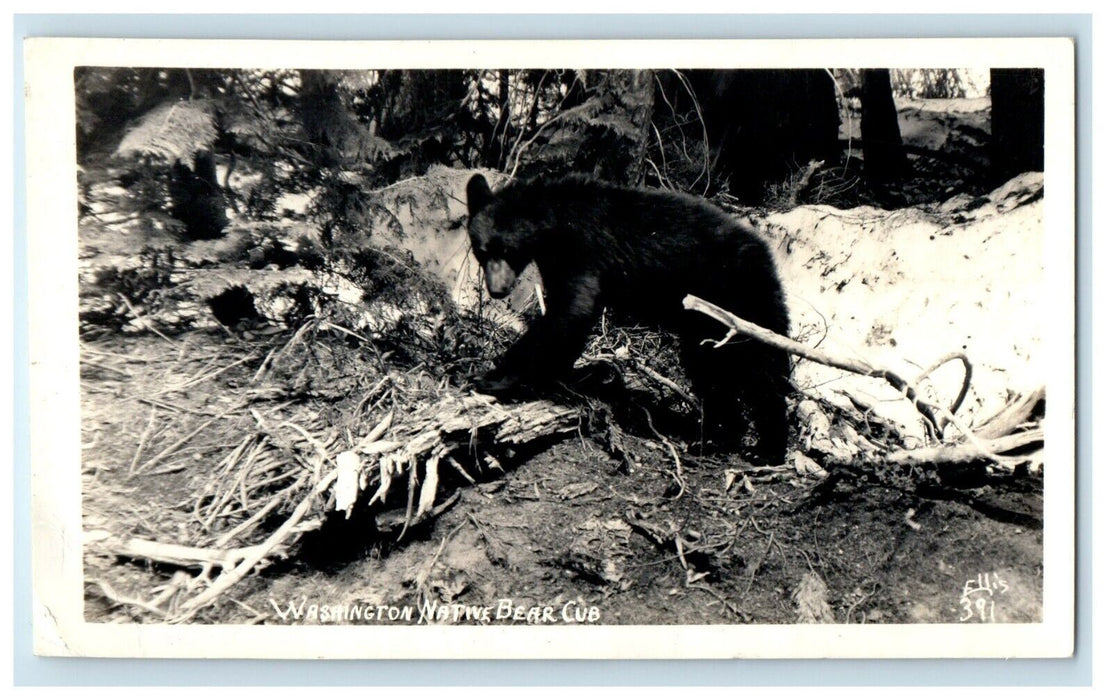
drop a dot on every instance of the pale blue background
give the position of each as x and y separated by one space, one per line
30 670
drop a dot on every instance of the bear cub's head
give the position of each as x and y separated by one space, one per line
497 245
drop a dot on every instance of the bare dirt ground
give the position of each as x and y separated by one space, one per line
566 528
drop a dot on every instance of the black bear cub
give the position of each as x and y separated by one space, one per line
638 253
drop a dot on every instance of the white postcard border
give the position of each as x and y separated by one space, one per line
58 600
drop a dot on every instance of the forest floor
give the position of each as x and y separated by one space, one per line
567 532
570 526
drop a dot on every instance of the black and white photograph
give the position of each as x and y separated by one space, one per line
637 349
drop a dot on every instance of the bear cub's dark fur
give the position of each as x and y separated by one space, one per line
638 253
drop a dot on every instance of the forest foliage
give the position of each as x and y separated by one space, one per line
338 134
311 160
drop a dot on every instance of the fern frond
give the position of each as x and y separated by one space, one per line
619 123
174 130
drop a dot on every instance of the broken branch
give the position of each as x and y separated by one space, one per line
737 325
975 447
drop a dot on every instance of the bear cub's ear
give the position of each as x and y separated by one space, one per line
479 194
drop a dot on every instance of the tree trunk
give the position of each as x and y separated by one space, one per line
196 198
882 147
614 143
761 125
1016 118
496 144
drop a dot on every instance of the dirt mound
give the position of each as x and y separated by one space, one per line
908 287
